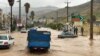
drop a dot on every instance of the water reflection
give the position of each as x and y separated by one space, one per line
91 44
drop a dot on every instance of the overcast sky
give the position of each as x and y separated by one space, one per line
43 3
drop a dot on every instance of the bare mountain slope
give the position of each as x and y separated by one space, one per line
83 9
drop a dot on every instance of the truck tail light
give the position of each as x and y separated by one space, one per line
5 43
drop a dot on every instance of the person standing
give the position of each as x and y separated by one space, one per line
82 30
76 31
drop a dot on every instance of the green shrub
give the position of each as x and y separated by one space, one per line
56 26
30 25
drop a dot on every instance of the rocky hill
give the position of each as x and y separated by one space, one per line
83 9
38 11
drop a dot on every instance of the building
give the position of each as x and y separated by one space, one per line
97 23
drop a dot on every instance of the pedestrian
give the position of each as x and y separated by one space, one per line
76 31
82 31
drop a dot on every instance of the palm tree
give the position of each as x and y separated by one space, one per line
11 2
27 6
32 15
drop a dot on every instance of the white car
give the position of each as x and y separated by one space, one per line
24 31
67 35
6 41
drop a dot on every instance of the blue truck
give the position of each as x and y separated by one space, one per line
38 39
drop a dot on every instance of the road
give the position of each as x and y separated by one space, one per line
80 46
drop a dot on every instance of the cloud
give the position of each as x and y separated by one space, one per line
41 3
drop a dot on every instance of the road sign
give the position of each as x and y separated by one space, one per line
75 19
81 18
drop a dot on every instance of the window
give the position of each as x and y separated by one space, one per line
3 37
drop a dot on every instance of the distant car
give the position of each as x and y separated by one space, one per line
24 31
6 41
66 35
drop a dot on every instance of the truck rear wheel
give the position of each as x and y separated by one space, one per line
46 49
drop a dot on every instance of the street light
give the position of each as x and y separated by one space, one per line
91 21
11 2
27 6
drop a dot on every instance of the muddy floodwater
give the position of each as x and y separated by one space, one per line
80 46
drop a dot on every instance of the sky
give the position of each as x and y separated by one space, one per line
43 3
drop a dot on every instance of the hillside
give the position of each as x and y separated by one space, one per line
38 10
83 9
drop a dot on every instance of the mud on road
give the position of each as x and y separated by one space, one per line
80 46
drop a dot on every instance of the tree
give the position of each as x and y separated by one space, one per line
32 14
11 2
27 6
4 20
14 24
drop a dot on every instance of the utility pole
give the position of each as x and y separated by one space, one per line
19 11
57 16
67 9
91 21
11 20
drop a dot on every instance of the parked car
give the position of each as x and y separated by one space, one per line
23 30
6 41
38 40
66 34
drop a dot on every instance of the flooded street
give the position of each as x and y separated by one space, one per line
80 46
